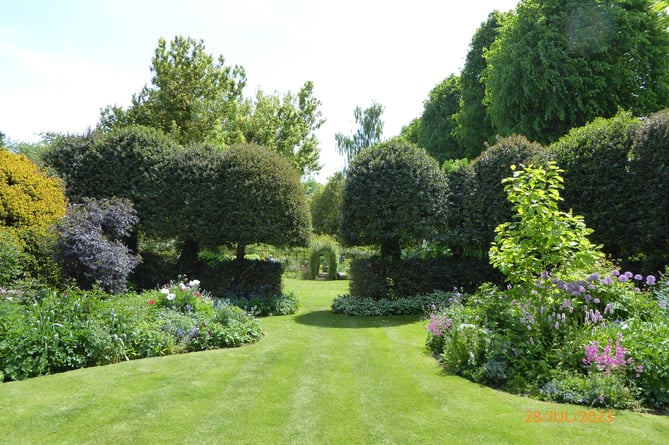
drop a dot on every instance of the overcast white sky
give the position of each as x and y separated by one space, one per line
61 61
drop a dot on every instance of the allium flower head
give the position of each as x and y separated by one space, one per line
650 280
638 277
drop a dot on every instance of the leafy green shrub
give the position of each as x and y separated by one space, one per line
648 342
393 198
75 329
369 307
603 390
541 239
90 243
383 278
11 257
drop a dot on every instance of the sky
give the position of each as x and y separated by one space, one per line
62 61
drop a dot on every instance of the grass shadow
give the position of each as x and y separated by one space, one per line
328 319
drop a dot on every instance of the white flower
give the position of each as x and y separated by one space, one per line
164 290
194 283
182 286
171 297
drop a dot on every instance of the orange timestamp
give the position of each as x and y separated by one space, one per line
581 416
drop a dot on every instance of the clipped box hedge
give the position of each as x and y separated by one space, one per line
384 278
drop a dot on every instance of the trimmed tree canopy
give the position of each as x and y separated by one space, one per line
257 199
393 197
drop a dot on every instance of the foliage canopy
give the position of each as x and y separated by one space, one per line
393 197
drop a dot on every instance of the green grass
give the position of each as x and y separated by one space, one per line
315 378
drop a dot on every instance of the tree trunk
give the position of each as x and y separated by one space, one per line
391 248
241 251
188 261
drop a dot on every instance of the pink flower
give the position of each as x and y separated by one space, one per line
152 301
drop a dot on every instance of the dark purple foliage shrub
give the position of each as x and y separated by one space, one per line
90 244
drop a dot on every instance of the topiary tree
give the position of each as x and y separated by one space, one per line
598 183
257 198
90 243
476 199
125 163
649 162
393 197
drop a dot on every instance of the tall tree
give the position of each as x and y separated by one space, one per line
559 64
286 124
368 134
197 99
436 132
326 206
474 127
191 97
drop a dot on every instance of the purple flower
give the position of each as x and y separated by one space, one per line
596 300
606 280
638 277
629 274
623 278
593 277
615 273
650 280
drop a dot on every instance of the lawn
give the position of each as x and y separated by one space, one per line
315 378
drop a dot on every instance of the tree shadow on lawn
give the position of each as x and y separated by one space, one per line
328 319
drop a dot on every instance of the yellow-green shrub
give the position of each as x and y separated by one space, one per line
29 198
30 201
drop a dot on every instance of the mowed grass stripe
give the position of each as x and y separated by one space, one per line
316 378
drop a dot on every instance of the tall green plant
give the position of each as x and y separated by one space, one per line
541 239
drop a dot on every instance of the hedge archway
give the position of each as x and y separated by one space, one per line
330 253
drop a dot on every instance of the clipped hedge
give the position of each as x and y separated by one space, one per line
242 278
383 278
